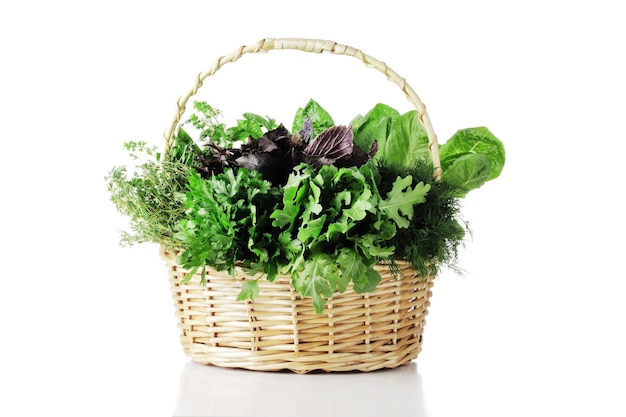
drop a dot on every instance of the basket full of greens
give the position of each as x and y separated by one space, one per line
308 246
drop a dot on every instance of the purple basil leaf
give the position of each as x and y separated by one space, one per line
277 134
357 158
255 161
266 145
330 145
306 131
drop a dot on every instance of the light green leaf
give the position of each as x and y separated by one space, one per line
352 268
249 290
361 206
407 141
478 140
317 280
310 230
468 172
285 216
398 204
375 246
319 117
374 126
369 284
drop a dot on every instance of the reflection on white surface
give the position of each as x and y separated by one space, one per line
213 391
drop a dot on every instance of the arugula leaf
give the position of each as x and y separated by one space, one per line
352 267
376 245
310 230
400 200
360 206
318 280
369 281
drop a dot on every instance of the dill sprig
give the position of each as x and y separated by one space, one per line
437 231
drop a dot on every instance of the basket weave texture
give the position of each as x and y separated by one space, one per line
280 330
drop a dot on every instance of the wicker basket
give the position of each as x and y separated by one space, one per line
280 330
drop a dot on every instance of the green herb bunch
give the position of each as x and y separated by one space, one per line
322 203
149 195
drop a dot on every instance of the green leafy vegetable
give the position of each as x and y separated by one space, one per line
407 141
249 290
374 127
465 170
220 228
317 280
437 231
400 201
319 118
207 121
323 204
338 213
147 195
469 172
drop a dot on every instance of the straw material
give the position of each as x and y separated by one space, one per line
280 330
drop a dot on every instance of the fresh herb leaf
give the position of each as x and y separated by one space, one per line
374 127
407 141
368 282
329 146
249 290
147 194
221 226
468 172
317 280
478 140
352 266
400 200
320 119
251 126
437 230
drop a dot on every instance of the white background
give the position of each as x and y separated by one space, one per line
534 327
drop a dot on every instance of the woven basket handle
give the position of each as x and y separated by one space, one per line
317 46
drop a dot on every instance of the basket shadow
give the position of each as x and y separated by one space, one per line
207 390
